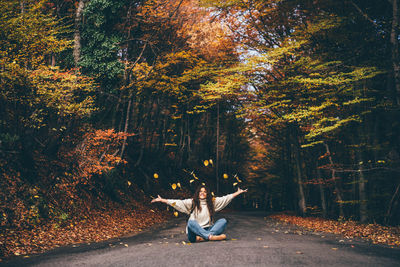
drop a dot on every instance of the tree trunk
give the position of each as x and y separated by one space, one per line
322 192
394 35
361 190
302 199
390 207
128 110
217 151
339 198
22 5
53 60
77 34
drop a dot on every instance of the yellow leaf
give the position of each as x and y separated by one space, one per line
126 245
211 161
234 184
206 163
155 176
334 248
212 193
179 185
173 186
36 196
191 181
203 183
225 176
176 214
129 183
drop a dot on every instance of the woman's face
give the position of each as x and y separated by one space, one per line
203 193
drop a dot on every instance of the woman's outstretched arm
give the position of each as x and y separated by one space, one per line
222 202
239 191
184 206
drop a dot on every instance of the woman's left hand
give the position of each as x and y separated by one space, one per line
239 191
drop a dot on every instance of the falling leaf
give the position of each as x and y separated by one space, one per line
176 214
173 186
211 161
203 183
233 239
191 181
225 176
152 211
334 248
173 204
206 163
212 193
179 185
234 184
129 183
259 238
155 176
126 245
36 196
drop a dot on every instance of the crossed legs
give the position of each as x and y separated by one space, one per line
212 233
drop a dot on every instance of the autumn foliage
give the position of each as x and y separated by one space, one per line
97 153
376 233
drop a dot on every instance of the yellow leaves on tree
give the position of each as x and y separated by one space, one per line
63 92
31 36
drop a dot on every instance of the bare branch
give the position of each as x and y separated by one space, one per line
365 15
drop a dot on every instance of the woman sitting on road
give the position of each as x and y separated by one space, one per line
201 209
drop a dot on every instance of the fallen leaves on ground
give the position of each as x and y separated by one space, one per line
350 229
98 226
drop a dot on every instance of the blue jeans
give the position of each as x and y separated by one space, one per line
195 229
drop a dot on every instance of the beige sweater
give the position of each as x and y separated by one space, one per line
203 216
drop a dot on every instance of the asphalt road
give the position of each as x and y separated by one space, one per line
252 241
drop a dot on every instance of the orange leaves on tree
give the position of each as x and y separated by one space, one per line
98 153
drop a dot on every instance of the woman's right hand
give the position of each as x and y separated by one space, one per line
158 199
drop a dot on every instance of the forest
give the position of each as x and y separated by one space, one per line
106 103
